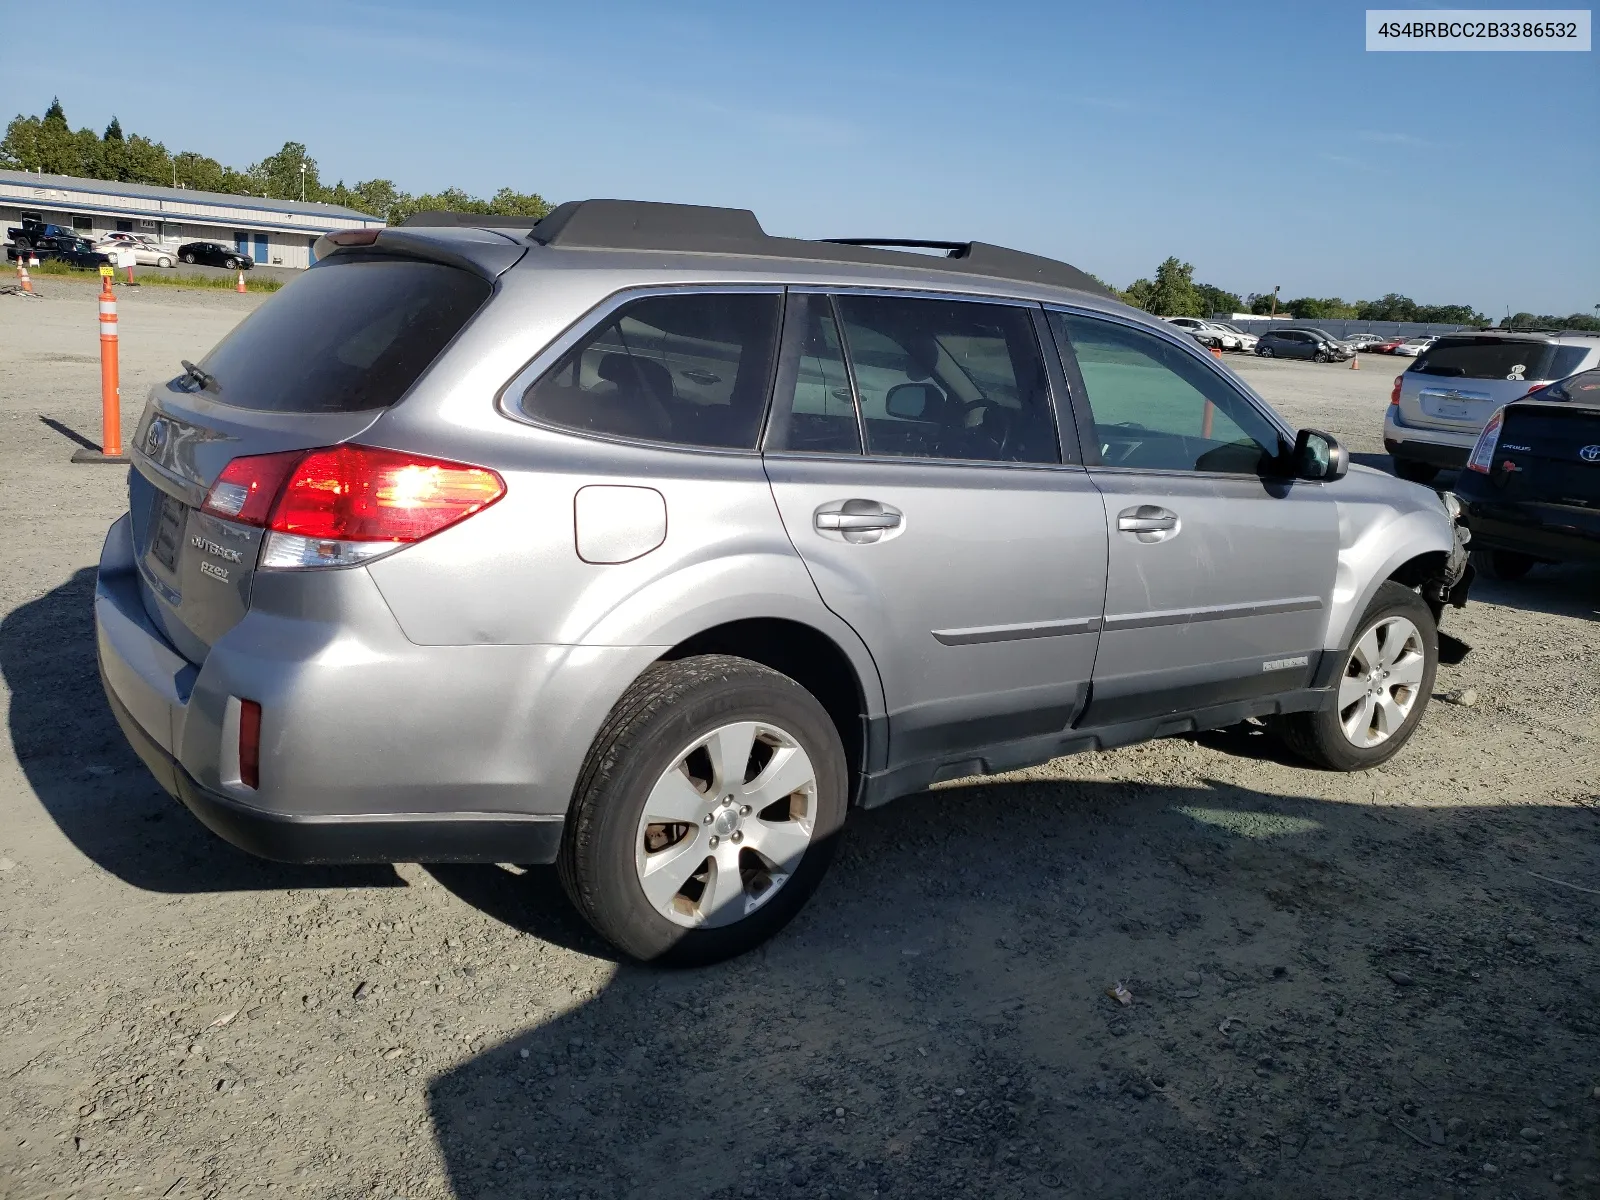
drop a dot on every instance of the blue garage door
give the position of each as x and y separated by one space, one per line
241 242
261 250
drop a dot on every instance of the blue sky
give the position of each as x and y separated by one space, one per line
1258 141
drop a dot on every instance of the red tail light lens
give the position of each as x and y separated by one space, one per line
245 490
354 237
250 743
360 494
1394 396
1482 458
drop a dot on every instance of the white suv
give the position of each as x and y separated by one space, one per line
1441 403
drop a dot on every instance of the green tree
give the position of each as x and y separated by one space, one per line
1174 294
278 175
1140 293
1215 300
1392 307
113 131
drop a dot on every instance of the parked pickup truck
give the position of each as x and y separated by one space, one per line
39 235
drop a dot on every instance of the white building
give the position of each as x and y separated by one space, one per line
278 233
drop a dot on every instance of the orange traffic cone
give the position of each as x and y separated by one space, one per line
1355 364
240 288
1216 351
22 277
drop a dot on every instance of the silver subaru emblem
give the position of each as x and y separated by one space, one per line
156 436
1590 454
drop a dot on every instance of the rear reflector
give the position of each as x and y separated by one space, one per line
1394 396
250 743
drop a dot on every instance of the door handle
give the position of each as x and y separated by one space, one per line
1148 522
858 521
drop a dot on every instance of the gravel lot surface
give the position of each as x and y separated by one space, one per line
1342 986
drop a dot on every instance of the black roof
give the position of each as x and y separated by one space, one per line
647 225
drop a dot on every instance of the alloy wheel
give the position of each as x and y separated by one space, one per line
1382 681
726 825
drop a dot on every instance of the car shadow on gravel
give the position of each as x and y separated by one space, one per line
1565 589
92 784
1327 999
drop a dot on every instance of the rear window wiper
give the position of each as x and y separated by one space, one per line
203 378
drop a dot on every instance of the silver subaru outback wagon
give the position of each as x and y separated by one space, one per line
645 543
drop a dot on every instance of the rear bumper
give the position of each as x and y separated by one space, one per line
1559 532
1434 453
373 749
408 837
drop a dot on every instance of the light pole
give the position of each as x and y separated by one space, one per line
1275 300
302 183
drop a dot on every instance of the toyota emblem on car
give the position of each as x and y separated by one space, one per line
1590 453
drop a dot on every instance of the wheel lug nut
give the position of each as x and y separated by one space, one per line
736 837
714 840
744 810
707 820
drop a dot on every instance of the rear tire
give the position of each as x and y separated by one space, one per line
661 745
1397 636
1502 564
1416 472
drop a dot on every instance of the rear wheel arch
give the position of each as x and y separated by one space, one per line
808 656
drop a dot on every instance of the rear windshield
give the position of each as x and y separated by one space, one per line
346 335
1487 358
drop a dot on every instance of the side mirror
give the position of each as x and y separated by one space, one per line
909 401
1318 455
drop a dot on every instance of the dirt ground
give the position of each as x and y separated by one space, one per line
1343 986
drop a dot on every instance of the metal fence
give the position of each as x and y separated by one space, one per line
1342 328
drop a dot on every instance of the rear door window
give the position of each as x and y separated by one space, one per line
952 379
1486 358
345 336
690 368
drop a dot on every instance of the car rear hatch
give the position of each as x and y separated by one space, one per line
314 366
1457 383
1548 454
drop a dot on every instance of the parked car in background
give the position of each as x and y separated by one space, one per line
1441 403
1388 345
76 251
1209 333
1302 343
215 254
1247 341
38 235
148 251
460 455
1412 347
1531 488
1366 341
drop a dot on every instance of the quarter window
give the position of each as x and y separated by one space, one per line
949 379
690 368
1156 407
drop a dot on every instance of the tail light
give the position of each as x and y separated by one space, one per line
1482 457
344 505
1394 396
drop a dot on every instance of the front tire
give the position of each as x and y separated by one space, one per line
1264 351
1381 694
188 258
163 262
706 813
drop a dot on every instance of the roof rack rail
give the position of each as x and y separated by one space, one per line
648 225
